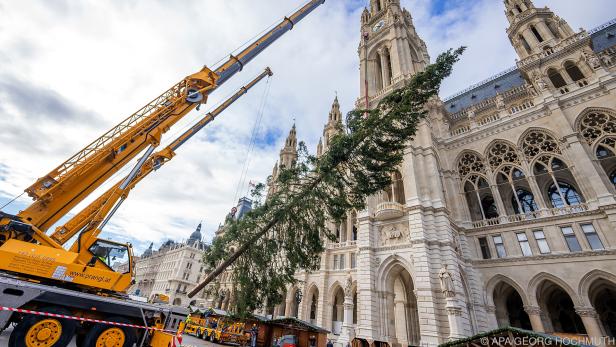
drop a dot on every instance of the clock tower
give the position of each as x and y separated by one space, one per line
390 51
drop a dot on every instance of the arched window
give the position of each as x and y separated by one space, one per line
476 188
517 7
554 173
563 191
510 179
557 80
573 71
599 131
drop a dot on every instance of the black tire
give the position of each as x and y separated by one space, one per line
18 336
79 339
130 335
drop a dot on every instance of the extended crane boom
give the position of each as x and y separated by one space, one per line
64 187
91 219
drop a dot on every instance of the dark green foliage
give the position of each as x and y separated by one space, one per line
286 233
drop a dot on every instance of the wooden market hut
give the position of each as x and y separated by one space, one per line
307 334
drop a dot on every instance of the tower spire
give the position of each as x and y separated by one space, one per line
288 154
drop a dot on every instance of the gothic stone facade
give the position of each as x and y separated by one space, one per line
503 212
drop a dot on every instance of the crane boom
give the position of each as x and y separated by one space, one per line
64 187
88 220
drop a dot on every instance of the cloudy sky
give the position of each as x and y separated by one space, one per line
70 70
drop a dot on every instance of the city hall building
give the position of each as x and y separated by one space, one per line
503 212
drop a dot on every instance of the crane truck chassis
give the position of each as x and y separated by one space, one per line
46 298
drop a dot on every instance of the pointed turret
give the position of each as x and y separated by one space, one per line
334 123
320 148
288 155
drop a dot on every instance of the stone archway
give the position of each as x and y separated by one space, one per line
337 309
510 307
558 307
311 304
602 296
400 304
292 304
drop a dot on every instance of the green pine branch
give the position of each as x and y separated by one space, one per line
286 233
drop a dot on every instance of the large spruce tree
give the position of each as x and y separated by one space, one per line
287 232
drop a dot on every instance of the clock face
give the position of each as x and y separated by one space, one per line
378 26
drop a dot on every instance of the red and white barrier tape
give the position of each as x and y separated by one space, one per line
83 319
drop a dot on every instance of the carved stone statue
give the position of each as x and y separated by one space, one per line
591 59
348 287
531 89
541 84
447 285
500 102
394 233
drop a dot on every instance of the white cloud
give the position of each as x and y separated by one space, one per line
100 61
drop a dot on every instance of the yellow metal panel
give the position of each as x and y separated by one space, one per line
57 264
161 339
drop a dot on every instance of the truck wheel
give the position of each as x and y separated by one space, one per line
42 331
110 335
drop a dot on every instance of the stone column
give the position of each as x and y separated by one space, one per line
492 320
544 31
288 308
454 316
348 333
534 314
593 330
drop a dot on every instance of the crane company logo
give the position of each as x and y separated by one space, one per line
90 277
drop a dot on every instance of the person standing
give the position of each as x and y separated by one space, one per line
254 331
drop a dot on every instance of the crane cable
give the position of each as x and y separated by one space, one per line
253 138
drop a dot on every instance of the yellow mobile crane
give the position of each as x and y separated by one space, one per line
89 222
81 284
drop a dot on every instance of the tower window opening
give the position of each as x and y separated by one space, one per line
378 76
536 33
389 70
517 7
573 71
557 80
525 43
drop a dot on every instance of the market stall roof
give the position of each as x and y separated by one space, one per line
512 337
294 323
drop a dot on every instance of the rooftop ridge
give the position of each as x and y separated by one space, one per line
513 68
602 26
479 84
